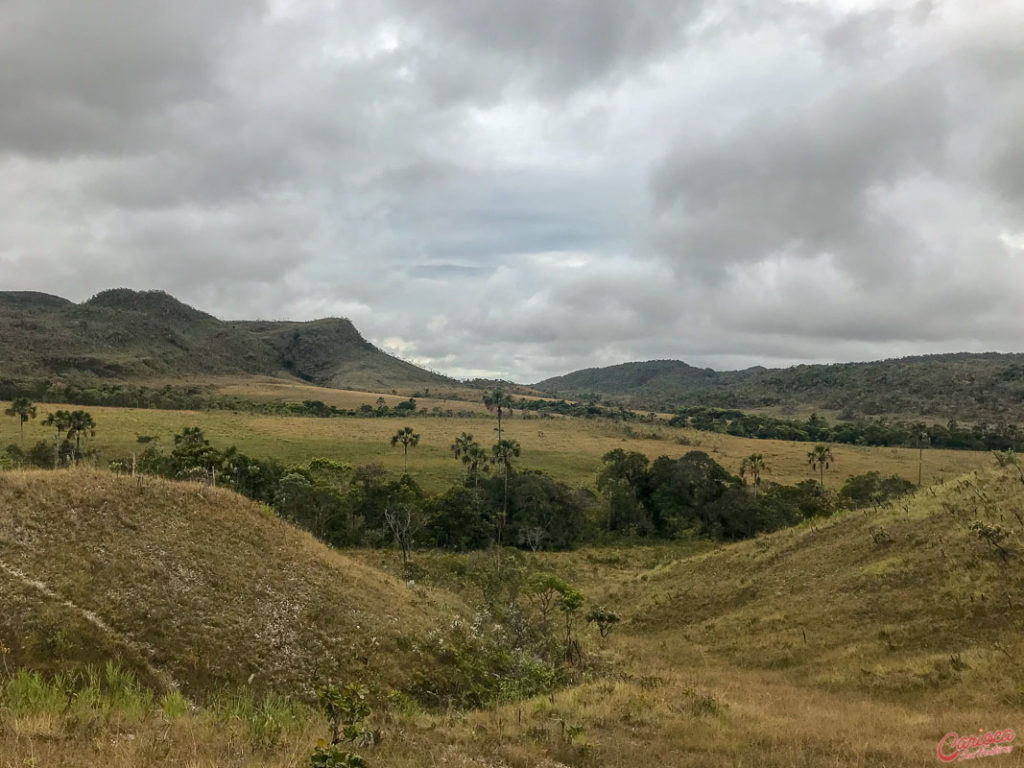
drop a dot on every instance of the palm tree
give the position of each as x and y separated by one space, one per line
24 409
407 438
462 445
503 453
59 420
80 423
473 457
820 458
72 425
754 465
498 400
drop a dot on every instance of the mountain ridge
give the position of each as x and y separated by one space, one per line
976 385
124 334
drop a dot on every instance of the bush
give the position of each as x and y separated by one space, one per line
871 489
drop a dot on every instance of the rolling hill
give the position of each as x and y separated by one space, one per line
126 335
190 585
985 387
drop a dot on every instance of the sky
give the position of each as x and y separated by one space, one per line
522 189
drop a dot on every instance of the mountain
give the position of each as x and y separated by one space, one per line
191 586
986 386
136 335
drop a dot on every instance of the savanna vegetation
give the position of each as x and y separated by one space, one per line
256 571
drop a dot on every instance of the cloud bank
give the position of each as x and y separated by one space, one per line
522 189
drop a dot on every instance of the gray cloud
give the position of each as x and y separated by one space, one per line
520 189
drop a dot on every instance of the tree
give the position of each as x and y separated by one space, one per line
604 619
59 420
73 426
404 519
821 459
24 409
407 438
1009 458
922 439
503 453
498 400
620 480
754 465
473 457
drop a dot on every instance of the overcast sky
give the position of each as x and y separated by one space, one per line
523 188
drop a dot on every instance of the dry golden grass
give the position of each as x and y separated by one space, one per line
195 581
569 449
830 644
285 391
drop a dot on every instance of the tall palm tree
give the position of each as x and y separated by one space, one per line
407 438
503 453
754 465
23 408
80 423
820 458
498 400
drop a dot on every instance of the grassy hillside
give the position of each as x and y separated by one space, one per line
860 640
331 353
856 641
987 387
142 336
192 583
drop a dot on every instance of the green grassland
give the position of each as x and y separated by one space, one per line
568 449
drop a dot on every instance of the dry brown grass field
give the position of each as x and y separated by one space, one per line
195 581
859 640
568 449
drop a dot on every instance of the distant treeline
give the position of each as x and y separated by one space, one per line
201 398
878 432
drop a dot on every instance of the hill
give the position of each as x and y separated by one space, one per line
136 336
979 387
860 640
190 584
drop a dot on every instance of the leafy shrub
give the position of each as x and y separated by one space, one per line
871 489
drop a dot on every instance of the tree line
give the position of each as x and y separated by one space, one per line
495 502
877 432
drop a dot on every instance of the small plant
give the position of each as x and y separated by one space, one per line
346 710
881 537
604 619
570 604
993 534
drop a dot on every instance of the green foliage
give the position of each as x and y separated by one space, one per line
979 387
346 710
329 756
174 705
871 489
603 618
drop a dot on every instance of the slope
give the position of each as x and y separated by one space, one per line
963 386
331 353
136 336
192 583
920 598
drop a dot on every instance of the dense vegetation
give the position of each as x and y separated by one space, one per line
976 437
348 506
968 387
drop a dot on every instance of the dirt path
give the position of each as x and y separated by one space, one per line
141 652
